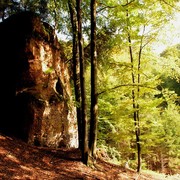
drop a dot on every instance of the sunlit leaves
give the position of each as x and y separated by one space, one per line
143 23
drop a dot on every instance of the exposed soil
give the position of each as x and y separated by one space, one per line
19 160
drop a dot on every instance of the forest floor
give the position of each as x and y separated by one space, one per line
20 161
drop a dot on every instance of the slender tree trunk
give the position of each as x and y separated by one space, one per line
135 98
71 13
82 83
138 116
94 103
76 68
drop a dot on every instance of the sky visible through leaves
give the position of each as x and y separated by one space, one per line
169 36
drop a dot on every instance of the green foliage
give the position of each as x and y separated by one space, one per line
49 70
110 154
116 125
171 64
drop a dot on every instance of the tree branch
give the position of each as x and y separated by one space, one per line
170 5
105 6
123 85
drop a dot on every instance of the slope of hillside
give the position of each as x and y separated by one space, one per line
19 161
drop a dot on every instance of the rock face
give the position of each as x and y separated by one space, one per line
35 85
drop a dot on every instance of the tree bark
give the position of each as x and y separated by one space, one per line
135 96
82 83
76 68
94 103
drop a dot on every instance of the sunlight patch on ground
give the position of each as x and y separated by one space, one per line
12 158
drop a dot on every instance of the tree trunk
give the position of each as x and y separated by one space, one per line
94 104
76 68
135 96
82 83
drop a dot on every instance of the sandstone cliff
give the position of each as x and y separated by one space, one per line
35 84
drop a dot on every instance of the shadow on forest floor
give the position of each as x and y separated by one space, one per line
19 160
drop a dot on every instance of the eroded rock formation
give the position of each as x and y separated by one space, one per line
35 85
